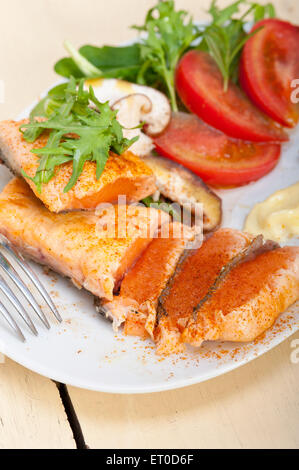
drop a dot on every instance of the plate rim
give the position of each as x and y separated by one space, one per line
176 384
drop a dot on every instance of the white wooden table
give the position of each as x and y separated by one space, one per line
254 406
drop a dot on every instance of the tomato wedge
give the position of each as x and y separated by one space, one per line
269 64
217 159
200 86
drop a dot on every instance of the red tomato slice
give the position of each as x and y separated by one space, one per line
269 64
200 86
217 159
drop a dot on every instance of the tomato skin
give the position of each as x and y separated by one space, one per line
216 158
200 86
269 63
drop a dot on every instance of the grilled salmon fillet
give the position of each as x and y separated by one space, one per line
191 281
124 174
249 300
74 244
141 287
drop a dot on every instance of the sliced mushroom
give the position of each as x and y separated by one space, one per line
155 115
132 110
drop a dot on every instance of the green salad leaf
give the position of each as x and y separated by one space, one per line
151 61
226 35
107 61
170 33
77 133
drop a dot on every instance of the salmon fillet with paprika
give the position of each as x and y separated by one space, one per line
141 287
79 245
124 174
249 300
195 273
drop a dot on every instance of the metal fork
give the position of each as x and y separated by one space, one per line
10 259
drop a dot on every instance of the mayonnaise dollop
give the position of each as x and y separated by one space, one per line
277 218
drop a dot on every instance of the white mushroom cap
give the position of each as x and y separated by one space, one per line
146 105
132 110
159 116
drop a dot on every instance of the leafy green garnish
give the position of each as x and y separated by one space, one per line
77 133
169 34
163 206
151 62
106 61
50 103
225 37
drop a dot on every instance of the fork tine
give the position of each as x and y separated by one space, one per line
4 312
33 278
13 275
17 305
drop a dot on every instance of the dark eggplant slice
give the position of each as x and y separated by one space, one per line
182 186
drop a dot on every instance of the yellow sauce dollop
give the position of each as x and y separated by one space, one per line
277 218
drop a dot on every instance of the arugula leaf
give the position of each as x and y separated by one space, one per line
78 133
151 62
169 34
226 36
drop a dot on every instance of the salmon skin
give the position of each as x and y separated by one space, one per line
124 174
247 301
74 244
141 287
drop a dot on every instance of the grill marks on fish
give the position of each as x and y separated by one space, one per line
124 174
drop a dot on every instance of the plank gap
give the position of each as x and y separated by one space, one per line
71 415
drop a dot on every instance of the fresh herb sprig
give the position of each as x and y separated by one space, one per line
169 34
226 36
150 62
77 133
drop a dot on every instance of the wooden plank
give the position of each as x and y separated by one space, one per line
31 412
255 406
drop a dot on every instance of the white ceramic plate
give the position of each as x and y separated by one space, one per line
84 351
